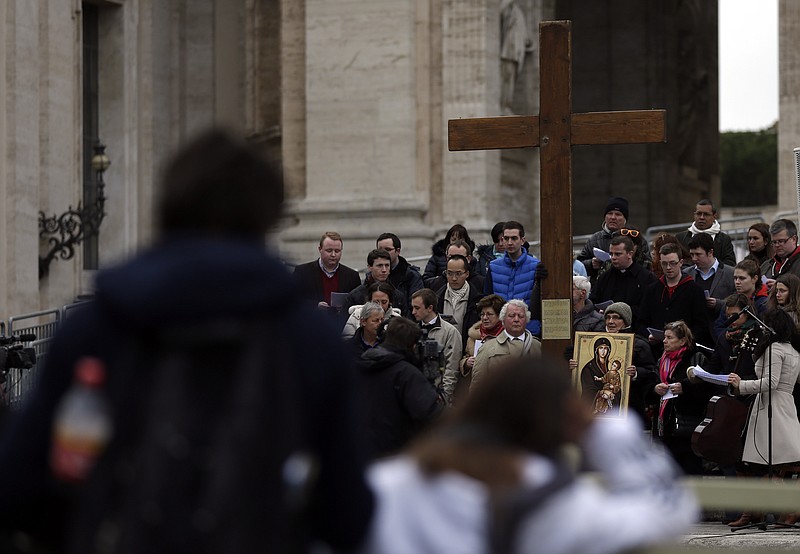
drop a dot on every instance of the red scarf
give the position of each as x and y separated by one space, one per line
666 367
492 332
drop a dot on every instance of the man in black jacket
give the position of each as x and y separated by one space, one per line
378 269
673 297
404 277
705 221
326 274
399 400
626 280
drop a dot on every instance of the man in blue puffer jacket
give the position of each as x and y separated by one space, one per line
514 275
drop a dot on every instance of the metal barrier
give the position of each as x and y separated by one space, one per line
19 381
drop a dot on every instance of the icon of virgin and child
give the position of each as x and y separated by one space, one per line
602 379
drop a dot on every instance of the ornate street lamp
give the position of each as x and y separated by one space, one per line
66 231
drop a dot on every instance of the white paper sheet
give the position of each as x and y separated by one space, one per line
701 373
601 255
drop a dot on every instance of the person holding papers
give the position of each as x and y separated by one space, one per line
785 371
733 353
681 404
781 350
326 276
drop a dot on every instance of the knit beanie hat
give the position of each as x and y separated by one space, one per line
622 310
617 203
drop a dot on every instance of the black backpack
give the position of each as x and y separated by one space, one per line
208 452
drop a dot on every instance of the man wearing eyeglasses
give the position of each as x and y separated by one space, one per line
461 248
705 221
674 296
458 298
787 253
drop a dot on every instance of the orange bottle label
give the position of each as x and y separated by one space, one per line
72 458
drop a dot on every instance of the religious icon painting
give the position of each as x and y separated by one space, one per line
600 376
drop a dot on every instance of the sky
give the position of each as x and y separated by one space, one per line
748 64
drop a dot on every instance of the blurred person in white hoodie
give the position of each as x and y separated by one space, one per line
491 478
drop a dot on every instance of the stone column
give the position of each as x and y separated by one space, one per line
789 107
361 119
20 170
471 88
483 187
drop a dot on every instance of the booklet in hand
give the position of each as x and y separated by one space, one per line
657 334
601 255
338 299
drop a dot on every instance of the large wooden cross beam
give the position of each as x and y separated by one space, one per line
554 131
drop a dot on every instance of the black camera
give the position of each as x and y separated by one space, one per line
14 355
429 356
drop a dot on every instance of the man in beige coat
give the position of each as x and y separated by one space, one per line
423 308
515 341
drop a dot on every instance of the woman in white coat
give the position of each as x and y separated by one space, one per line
785 371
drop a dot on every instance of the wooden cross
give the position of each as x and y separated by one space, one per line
555 130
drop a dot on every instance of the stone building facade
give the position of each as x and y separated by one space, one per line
352 99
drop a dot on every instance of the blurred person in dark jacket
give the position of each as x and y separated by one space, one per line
207 269
399 400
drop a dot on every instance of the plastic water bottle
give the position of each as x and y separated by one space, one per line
82 425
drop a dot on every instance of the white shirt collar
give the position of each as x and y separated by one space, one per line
521 337
325 271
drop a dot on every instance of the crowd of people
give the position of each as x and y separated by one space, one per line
685 298
413 411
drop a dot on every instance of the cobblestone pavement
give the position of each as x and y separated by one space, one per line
718 535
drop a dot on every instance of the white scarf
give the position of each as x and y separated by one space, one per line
713 230
455 304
